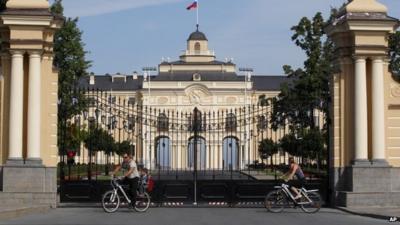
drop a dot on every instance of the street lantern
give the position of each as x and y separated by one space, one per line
85 114
114 123
97 113
74 101
145 76
124 123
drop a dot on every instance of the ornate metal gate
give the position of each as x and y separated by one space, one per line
197 156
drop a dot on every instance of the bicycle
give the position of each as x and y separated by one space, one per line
112 199
277 200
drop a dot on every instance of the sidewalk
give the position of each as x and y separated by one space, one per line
384 213
11 212
192 216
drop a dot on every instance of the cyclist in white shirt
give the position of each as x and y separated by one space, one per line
131 176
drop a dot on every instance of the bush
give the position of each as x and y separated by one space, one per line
257 165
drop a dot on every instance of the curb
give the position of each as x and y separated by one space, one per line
370 215
22 211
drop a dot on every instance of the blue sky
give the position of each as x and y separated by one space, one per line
126 35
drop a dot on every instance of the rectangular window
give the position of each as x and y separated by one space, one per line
262 123
112 99
92 102
112 122
131 122
131 101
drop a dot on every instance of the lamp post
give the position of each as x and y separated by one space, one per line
147 74
248 73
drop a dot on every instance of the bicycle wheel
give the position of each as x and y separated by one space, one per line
313 206
110 201
275 201
142 202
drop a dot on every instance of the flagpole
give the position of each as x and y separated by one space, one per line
197 9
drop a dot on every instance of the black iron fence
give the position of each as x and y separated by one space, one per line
195 154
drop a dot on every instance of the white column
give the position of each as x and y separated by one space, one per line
16 106
378 111
34 104
360 112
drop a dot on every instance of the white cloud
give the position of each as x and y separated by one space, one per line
83 8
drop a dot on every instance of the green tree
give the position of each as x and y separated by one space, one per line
74 137
70 60
3 4
98 139
263 100
309 87
394 52
57 8
124 147
267 148
313 146
290 144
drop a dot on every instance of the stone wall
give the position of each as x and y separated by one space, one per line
1 178
35 185
366 186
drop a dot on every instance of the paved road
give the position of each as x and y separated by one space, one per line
192 216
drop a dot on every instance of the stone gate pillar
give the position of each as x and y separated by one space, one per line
28 106
364 168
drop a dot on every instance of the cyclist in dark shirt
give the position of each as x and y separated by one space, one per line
295 170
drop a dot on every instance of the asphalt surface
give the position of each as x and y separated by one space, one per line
193 216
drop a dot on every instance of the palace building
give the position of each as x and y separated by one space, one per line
197 80
197 124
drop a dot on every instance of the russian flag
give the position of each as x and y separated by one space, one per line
192 6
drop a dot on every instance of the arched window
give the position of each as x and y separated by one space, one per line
230 122
197 47
196 122
230 153
201 153
163 153
162 122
